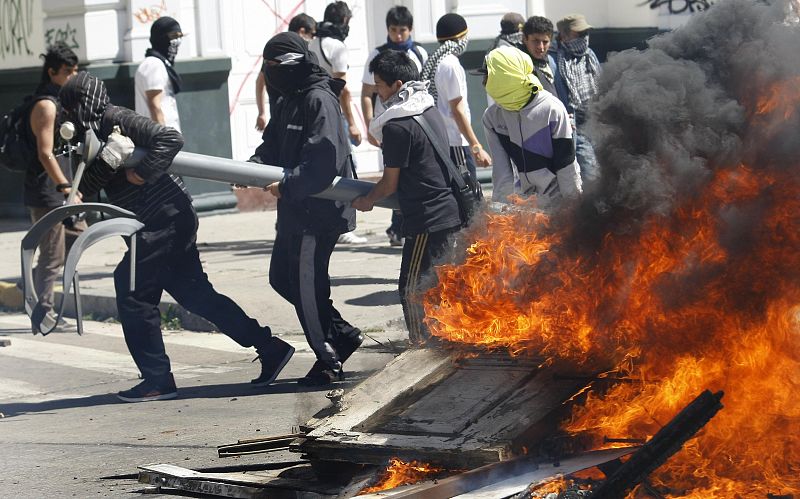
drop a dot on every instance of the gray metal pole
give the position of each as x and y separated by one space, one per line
231 171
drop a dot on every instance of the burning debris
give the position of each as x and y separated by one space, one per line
681 267
403 473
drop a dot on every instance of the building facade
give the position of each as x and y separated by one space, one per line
220 56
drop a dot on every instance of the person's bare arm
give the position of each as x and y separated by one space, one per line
457 107
345 100
43 119
154 105
261 87
386 186
366 110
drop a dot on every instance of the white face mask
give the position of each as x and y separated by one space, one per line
172 50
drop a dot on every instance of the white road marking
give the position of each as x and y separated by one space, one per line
91 359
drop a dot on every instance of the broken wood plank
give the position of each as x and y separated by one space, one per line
257 445
404 373
495 480
186 479
378 448
662 446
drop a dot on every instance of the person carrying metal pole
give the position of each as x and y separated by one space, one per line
167 258
305 137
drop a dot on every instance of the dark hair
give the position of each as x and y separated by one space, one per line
538 25
57 55
393 65
399 16
337 13
303 21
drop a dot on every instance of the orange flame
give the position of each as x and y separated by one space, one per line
402 473
687 302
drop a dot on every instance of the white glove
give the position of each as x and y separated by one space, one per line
117 149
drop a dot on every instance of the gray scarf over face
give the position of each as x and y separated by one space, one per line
455 47
411 100
580 69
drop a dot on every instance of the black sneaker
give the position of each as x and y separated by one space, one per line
321 375
394 238
273 361
148 390
348 344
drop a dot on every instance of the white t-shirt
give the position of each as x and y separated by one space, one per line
335 52
152 75
370 80
451 83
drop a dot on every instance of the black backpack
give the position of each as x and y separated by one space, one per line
17 151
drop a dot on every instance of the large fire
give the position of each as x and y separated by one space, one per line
704 295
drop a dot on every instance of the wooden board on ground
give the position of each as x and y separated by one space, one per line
251 484
442 407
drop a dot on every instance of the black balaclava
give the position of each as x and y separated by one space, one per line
165 38
327 29
297 69
84 99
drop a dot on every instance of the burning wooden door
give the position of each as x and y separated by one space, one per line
442 407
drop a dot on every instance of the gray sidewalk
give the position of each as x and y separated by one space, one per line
235 249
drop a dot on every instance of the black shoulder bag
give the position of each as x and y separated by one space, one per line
466 189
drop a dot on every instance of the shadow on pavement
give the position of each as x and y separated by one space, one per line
219 391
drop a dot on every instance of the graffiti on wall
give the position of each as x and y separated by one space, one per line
16 27
66 34
146 15
679 6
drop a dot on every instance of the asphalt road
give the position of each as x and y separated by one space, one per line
63 432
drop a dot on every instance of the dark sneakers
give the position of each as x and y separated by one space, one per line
321 375
346 345
273 361
149 390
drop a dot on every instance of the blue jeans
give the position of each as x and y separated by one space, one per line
584 153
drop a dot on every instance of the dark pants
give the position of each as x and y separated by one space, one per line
298 271
167 259
420 253
396 225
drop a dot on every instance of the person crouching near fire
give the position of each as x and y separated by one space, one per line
413 170
529 128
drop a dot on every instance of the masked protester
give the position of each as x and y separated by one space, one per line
305 136
413 170
156 82
332 56
448 86
166 254
578 73
529 130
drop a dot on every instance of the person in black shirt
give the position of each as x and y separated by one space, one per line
166 252
48 180
412 169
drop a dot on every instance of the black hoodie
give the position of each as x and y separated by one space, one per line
305 136
85 101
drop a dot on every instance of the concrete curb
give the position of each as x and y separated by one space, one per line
101 306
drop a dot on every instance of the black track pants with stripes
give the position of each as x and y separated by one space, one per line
420 253
298 271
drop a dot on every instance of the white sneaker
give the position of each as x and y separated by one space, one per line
351 238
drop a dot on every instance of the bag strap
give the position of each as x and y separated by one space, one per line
455 174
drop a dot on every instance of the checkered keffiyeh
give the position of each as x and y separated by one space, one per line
455 47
